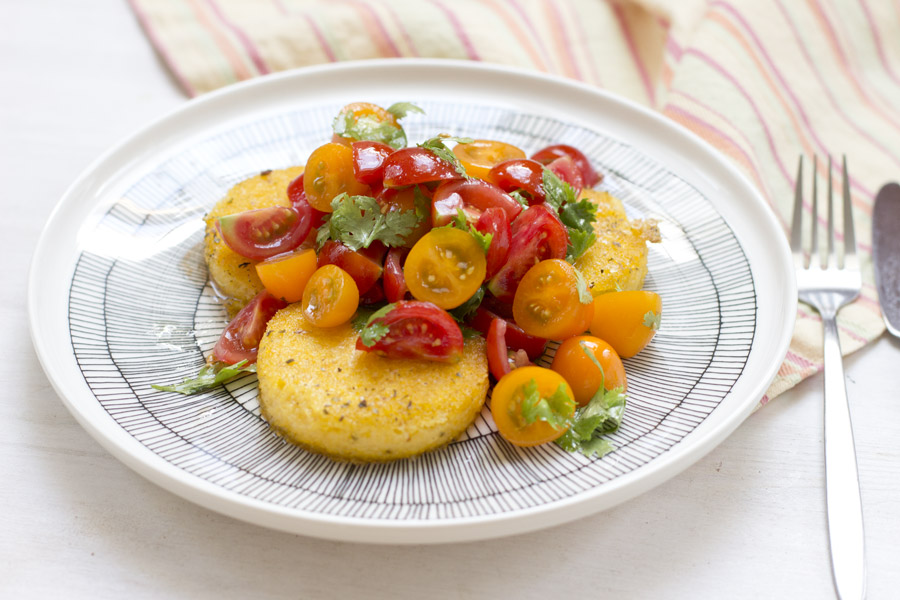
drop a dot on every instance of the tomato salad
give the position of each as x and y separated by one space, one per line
422 245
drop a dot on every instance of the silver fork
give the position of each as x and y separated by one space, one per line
827 286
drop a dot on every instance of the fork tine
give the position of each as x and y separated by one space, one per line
831 251
814 252
850 260
797 218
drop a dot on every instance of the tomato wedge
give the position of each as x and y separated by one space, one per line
473 197
413 330
550 153
285 275
494 221
364 271
537 234
264 232
394 283
516 339
409 166
368 161
547 302
566 169
520 174
509 397
480 156
242 335
297 195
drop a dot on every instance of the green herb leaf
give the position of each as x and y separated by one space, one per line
555 409
579 215
584 291
368 127
462 312
556 191
652 320
357 221
401 109
519 197
461 222
437 147
208 377
373 331
579 242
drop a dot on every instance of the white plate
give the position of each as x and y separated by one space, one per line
118 300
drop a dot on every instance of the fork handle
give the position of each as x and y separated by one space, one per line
845 522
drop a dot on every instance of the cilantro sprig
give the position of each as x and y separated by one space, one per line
461 222
358 221
577 215
367 126
600 416
437 146
208 377
373 330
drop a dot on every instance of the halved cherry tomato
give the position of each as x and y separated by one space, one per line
480 156
329 172
285 275
516 339
364 271
628 320
297 196
375 295
506 406
395 288
445 267
574 364
409 166
331 297
520 174
473 196
368 161
417 330
497 350
364 121
264 232
536 234
393 199
241 337
566 169
494 221
550 153
547 301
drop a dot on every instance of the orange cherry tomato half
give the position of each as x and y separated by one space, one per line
445 267
480 156
285 275
627 320
576 367
329 172
547 302
331 297
506 405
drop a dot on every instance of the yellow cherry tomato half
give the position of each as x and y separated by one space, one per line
331 297
445 267
329 172
507 408
627 320
577 368
480 156
285 275
547 303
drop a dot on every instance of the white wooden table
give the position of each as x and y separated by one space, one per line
747 521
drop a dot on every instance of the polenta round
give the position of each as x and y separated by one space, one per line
319 392
233 275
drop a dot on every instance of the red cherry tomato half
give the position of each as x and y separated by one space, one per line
550 153
494 221
264 232
373 296
536 235
363 270
497 350
297 195
241 337
520 174
473 196
394 283
368 161
566 169
516 339
416 165
418 330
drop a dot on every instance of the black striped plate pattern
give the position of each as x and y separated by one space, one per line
141 311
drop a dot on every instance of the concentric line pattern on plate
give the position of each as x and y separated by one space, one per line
141 312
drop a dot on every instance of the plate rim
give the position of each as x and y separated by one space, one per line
103 428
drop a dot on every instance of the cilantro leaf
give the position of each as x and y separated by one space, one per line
462 312
579 242
584 291
401 109
579 215
519 197
556 191
437 147
357 221
555 409
461 222
652 320
373 330
208 377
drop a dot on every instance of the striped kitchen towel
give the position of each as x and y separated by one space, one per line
761 80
